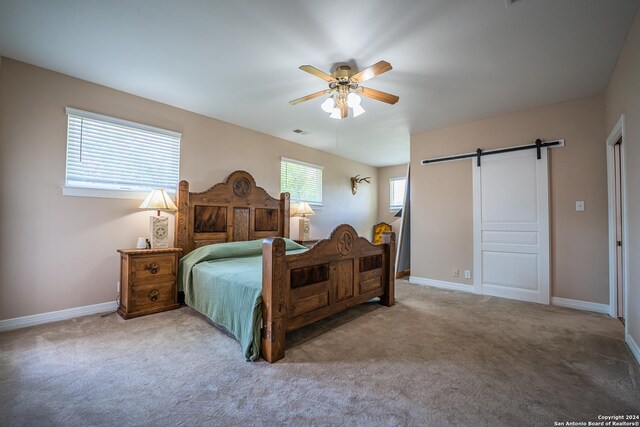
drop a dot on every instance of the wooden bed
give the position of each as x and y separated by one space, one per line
335 274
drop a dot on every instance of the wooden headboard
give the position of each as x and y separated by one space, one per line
231 211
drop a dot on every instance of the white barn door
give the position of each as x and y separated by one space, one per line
511 226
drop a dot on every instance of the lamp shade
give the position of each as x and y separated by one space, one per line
304 210
357 110
327 106
353 100
158 200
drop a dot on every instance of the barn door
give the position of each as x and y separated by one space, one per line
511 226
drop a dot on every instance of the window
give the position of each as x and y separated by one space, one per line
106 153
396 193
302 180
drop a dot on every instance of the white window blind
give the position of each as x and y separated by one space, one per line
113 154
302 180
396 194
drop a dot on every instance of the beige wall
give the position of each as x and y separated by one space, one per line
384 190
441 195
59 252
623 97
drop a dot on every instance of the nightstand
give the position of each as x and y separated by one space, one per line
307 243
148 281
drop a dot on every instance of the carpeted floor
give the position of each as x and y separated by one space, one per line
436 358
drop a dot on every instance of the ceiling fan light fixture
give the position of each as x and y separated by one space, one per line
357 110
335 114
328 105
345 90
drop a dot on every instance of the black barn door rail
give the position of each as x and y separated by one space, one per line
479 152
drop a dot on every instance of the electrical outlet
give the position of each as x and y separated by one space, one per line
117 286
467 274
456 272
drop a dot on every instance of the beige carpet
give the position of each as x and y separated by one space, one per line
436 358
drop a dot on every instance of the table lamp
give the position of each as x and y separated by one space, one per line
303 211
159 200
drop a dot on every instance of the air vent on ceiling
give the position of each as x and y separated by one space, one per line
300 132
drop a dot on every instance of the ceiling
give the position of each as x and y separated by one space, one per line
237 61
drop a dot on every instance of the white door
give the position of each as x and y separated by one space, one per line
619 207
511 226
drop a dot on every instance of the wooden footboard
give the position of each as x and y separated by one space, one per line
337 273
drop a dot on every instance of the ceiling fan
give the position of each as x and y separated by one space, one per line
344 87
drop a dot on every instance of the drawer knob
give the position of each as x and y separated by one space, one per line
153 295
153 268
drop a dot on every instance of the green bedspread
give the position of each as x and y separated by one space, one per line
224 282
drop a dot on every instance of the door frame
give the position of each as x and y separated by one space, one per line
544 235
615 135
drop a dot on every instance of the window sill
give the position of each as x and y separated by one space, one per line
104 193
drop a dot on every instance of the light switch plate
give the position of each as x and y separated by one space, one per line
580 205
467 274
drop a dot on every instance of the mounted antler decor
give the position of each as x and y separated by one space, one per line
355 180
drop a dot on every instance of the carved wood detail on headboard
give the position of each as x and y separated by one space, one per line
233 210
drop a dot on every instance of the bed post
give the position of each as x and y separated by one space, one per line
182 217
388 299
273 299
285 206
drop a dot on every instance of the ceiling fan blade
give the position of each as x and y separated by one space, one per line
379 96
308 97
370 72
313 70
344 110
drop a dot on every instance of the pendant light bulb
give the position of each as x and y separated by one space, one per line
328 104
335 114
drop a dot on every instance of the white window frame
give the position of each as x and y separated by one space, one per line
311 165
97 191
393 207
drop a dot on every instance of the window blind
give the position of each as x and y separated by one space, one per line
397 186
109 153
302 180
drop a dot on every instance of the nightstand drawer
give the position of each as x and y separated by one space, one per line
145 268
149 297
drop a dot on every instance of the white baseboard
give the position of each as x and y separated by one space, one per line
452 286
562 302
633 346
54 316
581 305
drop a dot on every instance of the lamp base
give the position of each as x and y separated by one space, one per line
303 225
159 231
